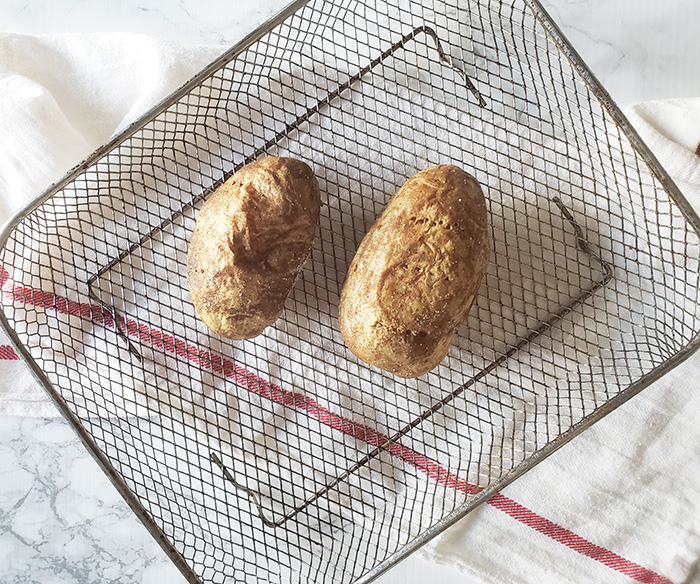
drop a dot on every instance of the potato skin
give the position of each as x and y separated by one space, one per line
250 240
415 275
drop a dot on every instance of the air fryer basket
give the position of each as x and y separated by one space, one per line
284 458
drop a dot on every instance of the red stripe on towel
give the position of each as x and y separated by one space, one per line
223 366
575 542
7 353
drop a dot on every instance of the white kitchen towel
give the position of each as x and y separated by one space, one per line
61 97
630 519
620 502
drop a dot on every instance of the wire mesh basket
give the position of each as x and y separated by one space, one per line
284 458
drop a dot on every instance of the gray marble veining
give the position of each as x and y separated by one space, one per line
61 520
639 49
186 21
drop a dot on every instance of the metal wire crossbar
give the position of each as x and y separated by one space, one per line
283 458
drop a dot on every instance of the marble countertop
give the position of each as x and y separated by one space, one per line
60 518
638 49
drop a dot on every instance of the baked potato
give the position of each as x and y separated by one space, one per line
416 272
250 239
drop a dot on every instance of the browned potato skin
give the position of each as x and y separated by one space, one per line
250 240
416 273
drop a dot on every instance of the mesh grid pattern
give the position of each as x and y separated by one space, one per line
283 458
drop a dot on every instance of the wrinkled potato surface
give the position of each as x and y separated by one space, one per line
250 240
416 273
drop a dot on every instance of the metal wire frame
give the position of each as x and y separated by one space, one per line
370 507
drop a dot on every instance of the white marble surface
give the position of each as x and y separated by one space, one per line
639 49
61 521
60 518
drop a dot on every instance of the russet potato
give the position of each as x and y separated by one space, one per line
250 240
416 272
